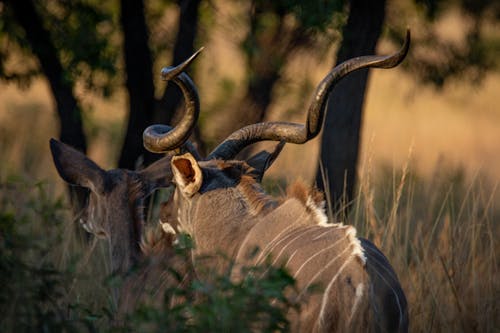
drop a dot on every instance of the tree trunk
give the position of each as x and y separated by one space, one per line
341 137
139 82
70 126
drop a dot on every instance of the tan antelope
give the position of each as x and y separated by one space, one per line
220 203
115 212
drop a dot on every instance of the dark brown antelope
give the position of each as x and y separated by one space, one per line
220 203
115 212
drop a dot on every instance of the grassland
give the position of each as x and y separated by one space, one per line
428 190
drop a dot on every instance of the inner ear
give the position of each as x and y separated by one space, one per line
187 174
184 167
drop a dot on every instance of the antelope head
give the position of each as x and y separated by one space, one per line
115 203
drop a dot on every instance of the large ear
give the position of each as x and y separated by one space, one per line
261 161
157 175
187 174
76 168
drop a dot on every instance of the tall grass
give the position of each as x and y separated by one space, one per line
441 235
440 232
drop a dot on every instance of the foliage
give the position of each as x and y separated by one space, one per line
82 32
436 59
33 296
316 15
256 303
12 42
280 27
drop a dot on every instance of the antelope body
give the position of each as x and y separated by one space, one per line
220 203
225 209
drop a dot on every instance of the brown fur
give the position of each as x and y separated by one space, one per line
293 232
256 199
155 241
149 282
301 191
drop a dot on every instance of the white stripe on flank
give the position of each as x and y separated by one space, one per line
290 258
286 264
327 291
290 242
272 242
269 249
322 234
315 255
357 299
321 271
330 229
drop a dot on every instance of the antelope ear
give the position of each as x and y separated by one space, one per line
261 161
76 168
187 174
157 175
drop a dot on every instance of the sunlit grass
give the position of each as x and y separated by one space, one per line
439 233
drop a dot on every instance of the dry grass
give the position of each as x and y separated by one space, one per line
439 232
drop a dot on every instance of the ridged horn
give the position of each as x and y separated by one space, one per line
161 138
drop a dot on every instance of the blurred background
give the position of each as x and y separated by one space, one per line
409 155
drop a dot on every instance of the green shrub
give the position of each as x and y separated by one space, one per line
33 293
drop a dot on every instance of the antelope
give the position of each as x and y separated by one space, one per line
115 212
219 201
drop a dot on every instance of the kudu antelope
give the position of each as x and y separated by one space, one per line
219 202
115 212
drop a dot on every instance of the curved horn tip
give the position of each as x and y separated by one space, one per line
408 36
406 44
199 50
401 54
168 73
192 57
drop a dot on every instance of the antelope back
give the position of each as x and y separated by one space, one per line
226 210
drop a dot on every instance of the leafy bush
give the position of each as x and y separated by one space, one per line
256 303
33 296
